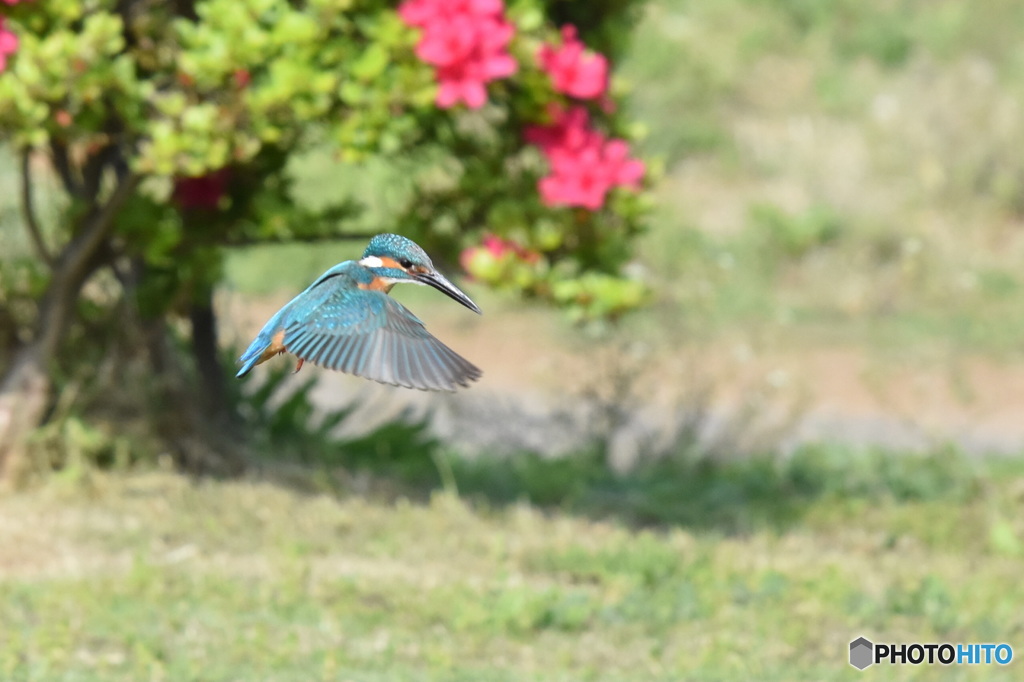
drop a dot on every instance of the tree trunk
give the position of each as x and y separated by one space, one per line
201 442
24 399
25 385
207 357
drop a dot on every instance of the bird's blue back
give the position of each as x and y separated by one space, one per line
337 290
336 303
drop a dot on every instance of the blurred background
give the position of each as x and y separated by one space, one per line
810 430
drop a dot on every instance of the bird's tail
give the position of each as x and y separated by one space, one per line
253 355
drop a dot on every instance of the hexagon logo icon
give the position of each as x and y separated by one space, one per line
861 653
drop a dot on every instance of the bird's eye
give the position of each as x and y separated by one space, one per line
405 263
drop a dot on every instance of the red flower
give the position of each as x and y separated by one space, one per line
584 164
461 82
8 42
624 171
572 71
569 131
583 178
448 42
201 192
576 180
496 245
466 41
419 12
423 12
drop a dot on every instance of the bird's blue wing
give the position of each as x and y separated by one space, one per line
370 334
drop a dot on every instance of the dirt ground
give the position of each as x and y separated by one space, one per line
543 381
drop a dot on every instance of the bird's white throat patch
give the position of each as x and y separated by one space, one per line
371 262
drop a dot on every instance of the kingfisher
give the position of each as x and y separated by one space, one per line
346 321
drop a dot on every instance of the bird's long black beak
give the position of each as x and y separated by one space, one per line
441 283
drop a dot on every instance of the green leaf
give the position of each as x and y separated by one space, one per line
371 63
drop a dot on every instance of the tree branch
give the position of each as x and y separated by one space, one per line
28 209
76 263
62 163
98 225
92 170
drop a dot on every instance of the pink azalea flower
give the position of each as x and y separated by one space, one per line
570 131
461 83
576 180
494 34
420 12
572 71
448 42
463 74
466 41
585 165
8 43
585 176
624 171
423 12
481 8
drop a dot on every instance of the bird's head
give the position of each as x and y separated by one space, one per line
396 259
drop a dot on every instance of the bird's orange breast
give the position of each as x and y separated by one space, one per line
377 284
276 346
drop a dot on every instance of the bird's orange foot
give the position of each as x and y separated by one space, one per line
298 366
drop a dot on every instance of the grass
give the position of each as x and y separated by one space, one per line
836 169
154 576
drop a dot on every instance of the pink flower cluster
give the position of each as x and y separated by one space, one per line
585 164
466 41
572 71
8 42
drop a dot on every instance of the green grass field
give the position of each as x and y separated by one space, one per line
837 171
838 174
153 576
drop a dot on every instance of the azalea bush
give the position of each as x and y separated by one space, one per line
171 126
567 189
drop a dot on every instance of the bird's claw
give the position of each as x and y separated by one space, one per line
298 366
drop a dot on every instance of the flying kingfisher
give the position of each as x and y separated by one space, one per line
346 321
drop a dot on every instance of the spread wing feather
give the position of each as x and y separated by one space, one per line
370 334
